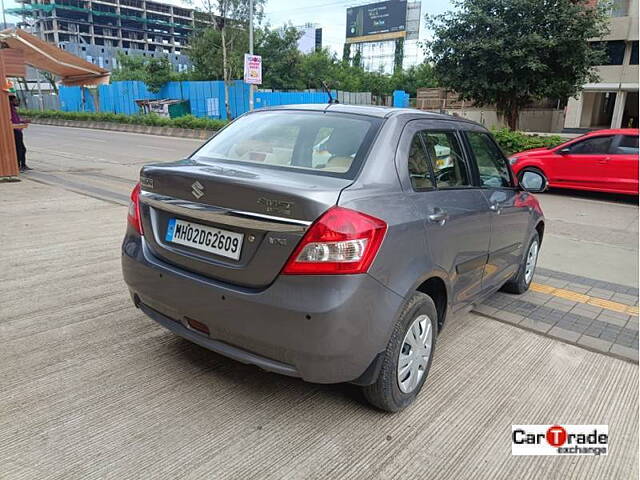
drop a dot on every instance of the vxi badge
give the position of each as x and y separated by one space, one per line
559 439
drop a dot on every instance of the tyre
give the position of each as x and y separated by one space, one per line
534 170
408 356
522 279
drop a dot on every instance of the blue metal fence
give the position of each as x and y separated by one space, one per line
206 98
76 99
272 99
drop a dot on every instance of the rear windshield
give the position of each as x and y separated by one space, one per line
311 142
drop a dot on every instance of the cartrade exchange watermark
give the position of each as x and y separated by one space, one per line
559 440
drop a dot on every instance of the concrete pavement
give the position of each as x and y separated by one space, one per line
593 235
91 388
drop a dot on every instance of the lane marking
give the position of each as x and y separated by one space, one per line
586 299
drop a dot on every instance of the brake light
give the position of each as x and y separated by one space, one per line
133 216
341 241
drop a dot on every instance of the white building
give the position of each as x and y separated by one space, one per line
612 102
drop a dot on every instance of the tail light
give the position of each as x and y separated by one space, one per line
133 216
341 241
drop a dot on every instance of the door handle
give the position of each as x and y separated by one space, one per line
438 216
495 207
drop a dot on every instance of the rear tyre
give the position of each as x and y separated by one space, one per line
534 170
408 356
521 282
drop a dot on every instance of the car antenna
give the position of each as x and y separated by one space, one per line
326 89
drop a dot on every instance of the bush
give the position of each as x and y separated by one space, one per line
188 121
513 141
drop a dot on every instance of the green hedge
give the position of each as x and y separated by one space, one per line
513 142
188 121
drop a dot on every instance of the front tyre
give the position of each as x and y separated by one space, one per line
408 356
521 282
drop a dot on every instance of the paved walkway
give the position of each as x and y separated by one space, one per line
601 316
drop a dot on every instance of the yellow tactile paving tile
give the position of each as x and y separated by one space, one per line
538 287
608 304
581 298
570 295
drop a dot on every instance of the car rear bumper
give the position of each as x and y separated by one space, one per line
324 329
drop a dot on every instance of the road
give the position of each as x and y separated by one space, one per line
94 389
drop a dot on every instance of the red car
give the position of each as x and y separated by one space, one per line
601 161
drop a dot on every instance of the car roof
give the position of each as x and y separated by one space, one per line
614 131
371 111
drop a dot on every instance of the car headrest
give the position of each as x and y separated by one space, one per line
343 142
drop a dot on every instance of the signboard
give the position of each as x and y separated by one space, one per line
252 69
377 21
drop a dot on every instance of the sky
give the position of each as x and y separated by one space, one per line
331 15
328 14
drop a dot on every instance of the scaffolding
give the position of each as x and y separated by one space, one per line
136 24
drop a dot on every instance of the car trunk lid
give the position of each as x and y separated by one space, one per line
270 208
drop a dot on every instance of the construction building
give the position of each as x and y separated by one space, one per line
95 29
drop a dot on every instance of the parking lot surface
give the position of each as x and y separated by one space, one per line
94 389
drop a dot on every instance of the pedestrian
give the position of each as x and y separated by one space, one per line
18 126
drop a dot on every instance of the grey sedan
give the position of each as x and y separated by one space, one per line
331 242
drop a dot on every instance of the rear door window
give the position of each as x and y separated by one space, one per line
435 159
311 142
592 146
492 164
419 170
628 145
449 167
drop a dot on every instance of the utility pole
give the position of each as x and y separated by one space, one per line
4 15
251 51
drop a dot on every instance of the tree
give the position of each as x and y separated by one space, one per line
157 73
154 72
317 67
205 53
281 59
416 76
512 52
230 18
129 67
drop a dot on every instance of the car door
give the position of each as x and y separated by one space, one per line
584 163
437 179
623 172
510 214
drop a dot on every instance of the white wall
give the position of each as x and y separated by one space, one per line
531 120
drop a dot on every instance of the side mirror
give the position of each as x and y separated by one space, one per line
564 151
533 182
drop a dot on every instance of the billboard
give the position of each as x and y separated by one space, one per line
377 21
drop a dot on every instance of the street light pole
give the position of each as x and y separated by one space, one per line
4 15
251 50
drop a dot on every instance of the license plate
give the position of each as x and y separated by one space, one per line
201 237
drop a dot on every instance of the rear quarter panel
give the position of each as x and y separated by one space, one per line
403 261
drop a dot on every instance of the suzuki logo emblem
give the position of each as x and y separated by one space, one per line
197 189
